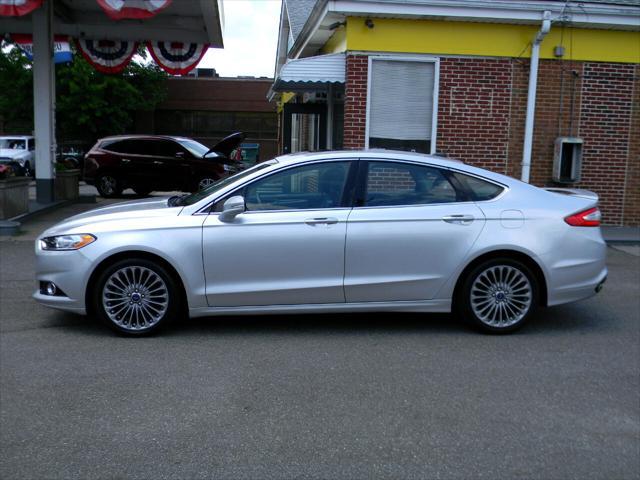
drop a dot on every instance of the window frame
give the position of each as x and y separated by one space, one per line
363 173
436 88
348 192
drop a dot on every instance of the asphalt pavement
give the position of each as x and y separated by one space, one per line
319 396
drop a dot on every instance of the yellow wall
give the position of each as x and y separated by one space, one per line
337 43
489 39
286 97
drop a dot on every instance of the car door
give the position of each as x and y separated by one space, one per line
409 231
288 247
170 164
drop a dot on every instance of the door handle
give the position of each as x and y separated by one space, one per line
459 219
321 221
157 162
126 160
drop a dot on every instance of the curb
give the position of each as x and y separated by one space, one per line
11 227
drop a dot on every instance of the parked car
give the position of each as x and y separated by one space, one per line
20 149
146 163
330 232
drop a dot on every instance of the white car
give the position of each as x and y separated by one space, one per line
330 232
20 149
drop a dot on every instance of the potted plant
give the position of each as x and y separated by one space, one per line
67 182
14 193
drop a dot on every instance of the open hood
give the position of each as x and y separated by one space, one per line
228 144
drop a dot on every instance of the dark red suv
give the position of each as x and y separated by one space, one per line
147 162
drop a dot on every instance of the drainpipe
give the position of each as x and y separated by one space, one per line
531 99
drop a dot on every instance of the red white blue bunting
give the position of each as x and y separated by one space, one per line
177 58
107 56
17 8
119 9
61 47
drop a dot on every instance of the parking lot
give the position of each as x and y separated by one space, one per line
319 396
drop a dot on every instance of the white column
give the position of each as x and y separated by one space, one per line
330 116
44 94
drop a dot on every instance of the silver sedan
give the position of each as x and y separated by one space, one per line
357 231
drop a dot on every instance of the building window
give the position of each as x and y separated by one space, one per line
402 101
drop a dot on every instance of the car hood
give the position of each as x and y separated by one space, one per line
12 153
137 209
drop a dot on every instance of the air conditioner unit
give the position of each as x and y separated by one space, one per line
567 160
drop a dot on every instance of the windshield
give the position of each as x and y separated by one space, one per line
13 143
195 148
205 192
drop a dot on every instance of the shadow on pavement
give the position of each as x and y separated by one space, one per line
550 321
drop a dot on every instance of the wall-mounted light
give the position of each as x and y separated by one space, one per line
369 23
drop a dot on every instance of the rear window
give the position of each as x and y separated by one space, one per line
480 189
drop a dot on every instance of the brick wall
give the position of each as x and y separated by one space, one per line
632 187
481 116
355 101
605 125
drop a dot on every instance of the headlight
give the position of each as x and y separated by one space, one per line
66 242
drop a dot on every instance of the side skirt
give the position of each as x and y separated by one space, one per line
434 306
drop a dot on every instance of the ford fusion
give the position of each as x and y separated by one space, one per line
357 231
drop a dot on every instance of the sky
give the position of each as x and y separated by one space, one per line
250 39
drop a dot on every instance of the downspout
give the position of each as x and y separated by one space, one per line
531 98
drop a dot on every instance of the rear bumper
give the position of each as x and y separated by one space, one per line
578 269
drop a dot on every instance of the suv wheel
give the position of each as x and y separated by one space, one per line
499 295
136 297
108 185
205 182
27 169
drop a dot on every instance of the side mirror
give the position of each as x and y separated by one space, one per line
231 208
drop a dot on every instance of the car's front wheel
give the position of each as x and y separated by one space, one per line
136 297
108 185
499 295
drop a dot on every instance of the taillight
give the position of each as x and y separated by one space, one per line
586 218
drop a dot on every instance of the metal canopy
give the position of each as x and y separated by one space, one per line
311 73
193 21
188 21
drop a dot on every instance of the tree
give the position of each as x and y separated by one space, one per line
89 104
16 91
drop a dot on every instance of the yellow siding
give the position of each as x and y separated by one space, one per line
489 39
286 97
337 43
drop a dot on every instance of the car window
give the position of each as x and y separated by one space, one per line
480 189
122 146
391 183
315 186
32 144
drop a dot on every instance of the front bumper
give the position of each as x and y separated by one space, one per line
69 271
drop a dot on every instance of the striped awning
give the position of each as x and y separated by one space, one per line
311 73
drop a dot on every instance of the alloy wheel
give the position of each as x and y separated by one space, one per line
205 182
135 298
501 296
108 185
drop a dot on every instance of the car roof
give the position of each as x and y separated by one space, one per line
143 137
382 154
16 137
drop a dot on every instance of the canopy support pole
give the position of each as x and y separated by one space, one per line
330 116
44 102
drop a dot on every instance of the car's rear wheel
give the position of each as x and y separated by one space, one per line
108 185
204 182
136 297
499 295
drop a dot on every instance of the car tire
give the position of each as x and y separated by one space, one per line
136 297
108 185
142 191
498 296
203 182
27 170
